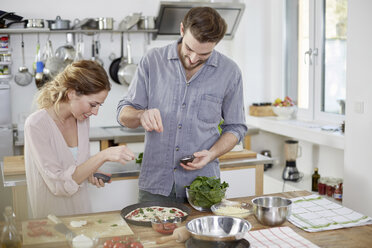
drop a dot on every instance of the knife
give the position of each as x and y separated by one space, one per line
60 226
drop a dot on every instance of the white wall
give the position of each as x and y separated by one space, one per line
22 97
358 166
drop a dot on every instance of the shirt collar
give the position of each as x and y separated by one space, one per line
173 54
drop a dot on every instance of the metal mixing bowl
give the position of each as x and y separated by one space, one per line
218 228
271 210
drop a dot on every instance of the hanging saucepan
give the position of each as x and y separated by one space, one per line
127 70
114 66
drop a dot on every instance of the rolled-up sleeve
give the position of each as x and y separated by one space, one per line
233 111
44 158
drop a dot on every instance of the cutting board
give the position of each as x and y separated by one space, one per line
106 225
14 165
239 154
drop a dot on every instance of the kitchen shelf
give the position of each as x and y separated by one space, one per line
88 32
6 63
5 77
303 130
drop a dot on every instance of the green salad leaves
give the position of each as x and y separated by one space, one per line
206 191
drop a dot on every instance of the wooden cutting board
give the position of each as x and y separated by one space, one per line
240 154
14 165
106 225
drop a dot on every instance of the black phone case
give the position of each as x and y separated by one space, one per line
104 177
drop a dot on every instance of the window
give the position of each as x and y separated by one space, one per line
316 57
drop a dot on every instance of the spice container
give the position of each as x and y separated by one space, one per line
4 42
5 57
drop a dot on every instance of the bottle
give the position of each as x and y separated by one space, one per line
10 237
315 177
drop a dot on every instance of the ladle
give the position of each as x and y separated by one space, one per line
23 76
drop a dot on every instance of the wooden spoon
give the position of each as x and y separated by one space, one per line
180 234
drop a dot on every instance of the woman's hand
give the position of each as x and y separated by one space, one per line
201 159
98 182
120 154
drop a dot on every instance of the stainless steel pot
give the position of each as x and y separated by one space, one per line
146 22
105 23
59 24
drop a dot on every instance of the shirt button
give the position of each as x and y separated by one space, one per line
177 148
174 169
179 126
188 84
183 105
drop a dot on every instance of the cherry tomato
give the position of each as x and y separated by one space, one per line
108 244
119 245
116 239
136 245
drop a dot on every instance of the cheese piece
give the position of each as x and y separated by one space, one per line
79 223
82 241
234 211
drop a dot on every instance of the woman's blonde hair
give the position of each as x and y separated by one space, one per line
85 77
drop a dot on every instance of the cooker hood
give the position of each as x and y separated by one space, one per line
171 15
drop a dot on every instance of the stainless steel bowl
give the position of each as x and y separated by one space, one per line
271 210
218 228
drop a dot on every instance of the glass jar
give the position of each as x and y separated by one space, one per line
322 186
4 42
338 192
330 188
10 237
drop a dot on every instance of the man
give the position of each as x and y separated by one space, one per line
179 95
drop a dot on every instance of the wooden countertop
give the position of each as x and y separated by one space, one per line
347 237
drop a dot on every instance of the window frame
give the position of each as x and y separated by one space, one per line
316 69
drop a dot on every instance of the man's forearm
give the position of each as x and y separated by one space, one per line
130 117
224 144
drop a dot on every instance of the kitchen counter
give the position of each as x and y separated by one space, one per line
116 133
360 236
132 170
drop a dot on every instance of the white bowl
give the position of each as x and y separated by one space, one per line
284 113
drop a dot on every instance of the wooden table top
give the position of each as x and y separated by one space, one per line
348 237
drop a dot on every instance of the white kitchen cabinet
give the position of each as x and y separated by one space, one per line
242 182
114 196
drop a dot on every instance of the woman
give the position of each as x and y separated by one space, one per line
57 157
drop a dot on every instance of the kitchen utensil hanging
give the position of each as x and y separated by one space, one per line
114 66
95 51
127 70
23 76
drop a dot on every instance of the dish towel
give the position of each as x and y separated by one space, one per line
278 237
314 213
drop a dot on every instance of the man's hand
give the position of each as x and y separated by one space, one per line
151 120
201 159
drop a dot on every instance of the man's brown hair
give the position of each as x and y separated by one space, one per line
205 24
